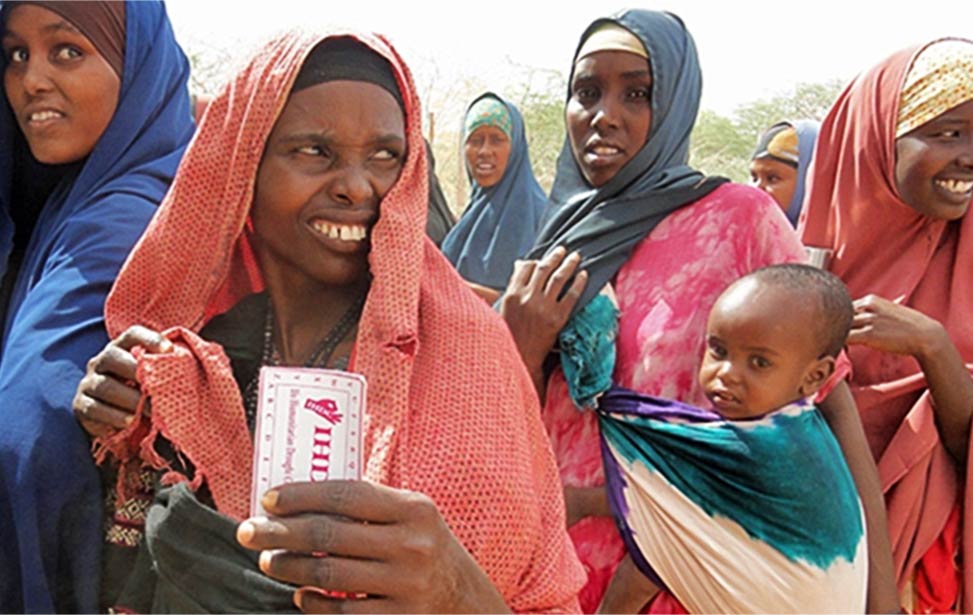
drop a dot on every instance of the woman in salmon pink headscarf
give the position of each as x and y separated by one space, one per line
888 212
307 187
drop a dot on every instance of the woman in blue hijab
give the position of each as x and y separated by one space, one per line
779 163
94 121
505 208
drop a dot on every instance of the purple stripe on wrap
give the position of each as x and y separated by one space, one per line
623 401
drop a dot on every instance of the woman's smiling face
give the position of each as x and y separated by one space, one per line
934 165
609 113
335 151
63 93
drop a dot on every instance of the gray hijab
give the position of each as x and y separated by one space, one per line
604 224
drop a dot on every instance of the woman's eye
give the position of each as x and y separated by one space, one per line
17 54
639 94
386 154
67 52
310 150
948 134
586 93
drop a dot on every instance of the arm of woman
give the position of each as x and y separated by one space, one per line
535 311
484 292
842 416
628 591
583 502
392 545
889 327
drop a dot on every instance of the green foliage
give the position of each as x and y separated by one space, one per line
717 147
544 123
722 146
809 101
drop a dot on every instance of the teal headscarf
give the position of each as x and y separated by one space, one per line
487 111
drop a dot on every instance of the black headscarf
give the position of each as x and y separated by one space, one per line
345 59
604 224
440 219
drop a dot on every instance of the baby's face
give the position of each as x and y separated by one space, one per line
760 348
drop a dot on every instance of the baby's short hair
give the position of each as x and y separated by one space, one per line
831 300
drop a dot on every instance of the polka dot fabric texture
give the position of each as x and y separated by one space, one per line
451 410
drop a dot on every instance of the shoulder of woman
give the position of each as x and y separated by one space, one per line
751 220
740 199
104 229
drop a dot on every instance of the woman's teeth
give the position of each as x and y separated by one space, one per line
40 116
344 232
605 150
955 186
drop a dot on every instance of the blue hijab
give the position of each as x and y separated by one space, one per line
807 135
500 222
50 495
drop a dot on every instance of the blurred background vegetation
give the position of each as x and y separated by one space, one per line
721 143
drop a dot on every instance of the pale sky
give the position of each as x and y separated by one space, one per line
749 49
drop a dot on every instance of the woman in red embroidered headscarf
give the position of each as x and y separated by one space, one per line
888 204
308 179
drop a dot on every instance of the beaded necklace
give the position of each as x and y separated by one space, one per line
318 358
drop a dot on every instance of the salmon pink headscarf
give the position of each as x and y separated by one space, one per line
881 245
451 411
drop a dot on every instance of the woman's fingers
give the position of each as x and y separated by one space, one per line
112 392
562 274
115 361
574 291
311 600
107 397
332 573
523 270
543 270
316 533
354 499
137 335
858 336
93 412
860 319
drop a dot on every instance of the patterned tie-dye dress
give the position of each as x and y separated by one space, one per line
665 292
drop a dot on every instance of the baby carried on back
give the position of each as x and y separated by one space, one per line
748 507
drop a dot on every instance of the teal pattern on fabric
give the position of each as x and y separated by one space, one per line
488 111
768 475
587 345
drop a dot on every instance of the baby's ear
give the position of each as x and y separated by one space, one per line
816 375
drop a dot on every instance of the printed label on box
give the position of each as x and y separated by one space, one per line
309 428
